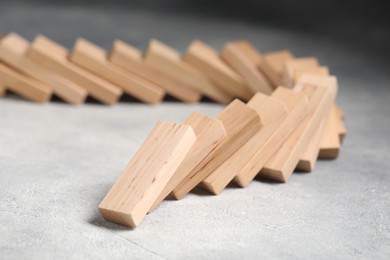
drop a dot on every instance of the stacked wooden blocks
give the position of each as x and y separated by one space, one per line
284 118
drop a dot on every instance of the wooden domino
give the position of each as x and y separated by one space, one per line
209 133
13 49
94 59
207 60
272 65
241 123
330 142
291 67
144 178
54 57
238 56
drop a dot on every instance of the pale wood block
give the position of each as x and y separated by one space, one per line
144 178
249 51
168 61
24 86
130 59
330 142
54 58
241 123
95 59
291 66
207 60
296 105
272 113
209 133
13 49
320 70
244 66
282 164
272 65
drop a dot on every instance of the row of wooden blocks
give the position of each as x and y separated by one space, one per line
43 67
271 136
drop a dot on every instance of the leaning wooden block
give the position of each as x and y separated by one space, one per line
241 123
296 105
146 175
330 142
94 59
272 113
272 65
168 61
54 58
237 58
24 86
282 164
207 60
209 133
13 49
291 67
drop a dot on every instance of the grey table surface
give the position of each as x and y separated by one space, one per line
58 161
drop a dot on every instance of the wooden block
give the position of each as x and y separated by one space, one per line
94 59
237 58
207 60
330 142
209 133
241 123
147 174
54 58
130 59
13 49
249 51
168 61
291 66
272 65
320 70
282 164
296 105
272 113
3 89
24 86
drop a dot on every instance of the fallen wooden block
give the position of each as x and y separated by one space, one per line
272 113
94 59
168 61
13 49
241 123
24 86
209 133
270 141
290 68
207 60
330 143
138 187
236 55
54 58
272 65
282 164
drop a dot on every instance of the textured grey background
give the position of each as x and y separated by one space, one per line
57 161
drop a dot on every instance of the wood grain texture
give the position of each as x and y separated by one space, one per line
236 55
241 123
13 49
296 105
168 61
291 67
54 58
95 59
272 113
330 142
272 65
209 133
143 179
207 60
24 86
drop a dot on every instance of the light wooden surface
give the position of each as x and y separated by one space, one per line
13 49
143 179
94 59
207 60
291 66
272 65
54 57
241 123
24 86
296 105
272 113
239 56
330 143
209 133
168 60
